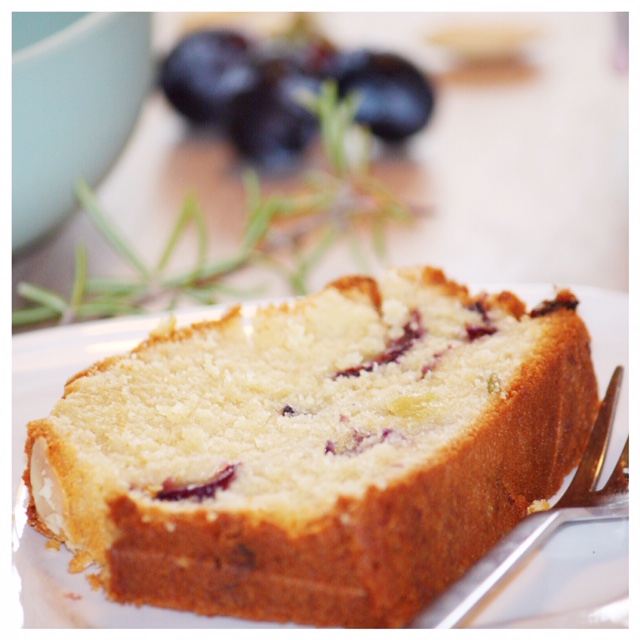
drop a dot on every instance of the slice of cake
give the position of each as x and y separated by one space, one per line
333 461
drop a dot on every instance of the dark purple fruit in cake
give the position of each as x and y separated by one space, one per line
412 332
563 300
479 306
288 410
484 327
475 331
397 99
172 491
431 365
205 71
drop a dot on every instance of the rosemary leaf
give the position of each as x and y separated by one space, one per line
299 276
106 309
259 222
363 160
211 294
378 237
228 290
201 296
179 227
392 207
297 282
80 277
200 223
252 189
115 287
33 315
208 271
356 251
323 182
326 241
333 133
43 297
107 228
190 212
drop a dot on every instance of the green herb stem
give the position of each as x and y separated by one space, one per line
107 228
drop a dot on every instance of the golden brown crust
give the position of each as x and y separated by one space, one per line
94 369
359 288
434 277
509 302
341 571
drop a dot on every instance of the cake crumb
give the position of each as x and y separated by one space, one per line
164 328
94 580
538 505
80 562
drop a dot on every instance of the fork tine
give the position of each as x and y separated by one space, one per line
589 468
619 479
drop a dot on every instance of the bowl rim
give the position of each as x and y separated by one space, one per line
63 36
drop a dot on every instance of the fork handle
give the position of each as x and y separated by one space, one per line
455 604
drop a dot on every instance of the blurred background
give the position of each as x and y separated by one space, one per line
520 173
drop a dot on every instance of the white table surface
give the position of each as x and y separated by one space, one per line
526 178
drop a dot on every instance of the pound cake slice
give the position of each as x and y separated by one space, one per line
336 460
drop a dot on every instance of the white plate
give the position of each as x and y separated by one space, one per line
582 567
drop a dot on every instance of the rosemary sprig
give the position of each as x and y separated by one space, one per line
290 234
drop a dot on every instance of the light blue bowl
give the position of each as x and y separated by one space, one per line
79 81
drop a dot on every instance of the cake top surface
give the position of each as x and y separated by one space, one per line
301 403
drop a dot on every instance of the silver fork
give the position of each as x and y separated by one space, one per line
581 501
